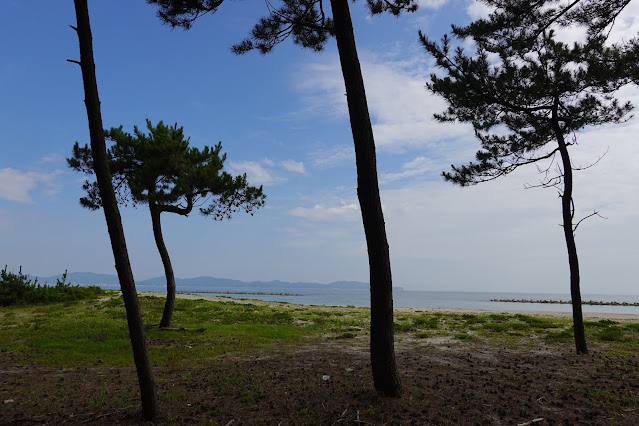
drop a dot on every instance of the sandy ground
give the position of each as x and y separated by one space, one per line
591 315
328 381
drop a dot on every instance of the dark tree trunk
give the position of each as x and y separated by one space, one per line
385 374
573 261
112 214
166 261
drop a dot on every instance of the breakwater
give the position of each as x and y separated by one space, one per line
567 302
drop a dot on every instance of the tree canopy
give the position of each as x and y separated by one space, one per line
161 169
510 94
522 21
306 21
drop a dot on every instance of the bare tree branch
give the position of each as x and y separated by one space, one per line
594 213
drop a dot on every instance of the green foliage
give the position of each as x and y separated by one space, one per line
90 332
519 22
425 321
496 327
536 322
161 169
305 21
562 335
473 319
499 317
521 97
19 289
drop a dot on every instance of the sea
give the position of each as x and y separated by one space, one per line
421 299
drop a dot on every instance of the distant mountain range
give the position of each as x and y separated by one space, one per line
208 283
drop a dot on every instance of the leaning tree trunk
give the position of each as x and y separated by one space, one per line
573 261
112 214
168 269
385 374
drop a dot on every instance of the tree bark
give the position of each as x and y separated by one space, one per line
573 260
112 214
385 374
165 322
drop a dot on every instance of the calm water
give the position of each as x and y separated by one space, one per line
429 299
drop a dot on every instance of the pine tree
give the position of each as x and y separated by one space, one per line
161 170
308 24
527 98
112 213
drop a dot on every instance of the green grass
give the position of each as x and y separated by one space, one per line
95 332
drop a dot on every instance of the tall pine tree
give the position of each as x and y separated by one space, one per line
527 96
112 213
309 25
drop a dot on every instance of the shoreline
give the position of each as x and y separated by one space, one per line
558 314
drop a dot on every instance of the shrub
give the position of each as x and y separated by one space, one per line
18 289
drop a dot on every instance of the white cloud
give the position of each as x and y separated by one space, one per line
497 235
16 185
322 87
268 162
293 166
432 4
478 10
257 173
401 108
489 227
344 213
264 172
332 157
417 167
51 158
626 25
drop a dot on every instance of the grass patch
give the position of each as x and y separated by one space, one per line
426 322
538 322
563 335
496 327
463 336
612 334
93 332
346 336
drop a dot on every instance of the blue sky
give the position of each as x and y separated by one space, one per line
282 119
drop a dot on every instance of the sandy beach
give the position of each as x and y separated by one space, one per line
549 313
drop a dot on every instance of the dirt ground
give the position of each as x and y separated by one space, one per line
328 382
